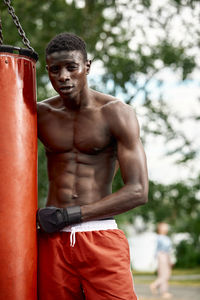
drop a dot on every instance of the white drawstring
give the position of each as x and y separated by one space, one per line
88 226
73 237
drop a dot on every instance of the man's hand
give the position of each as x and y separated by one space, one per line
53 219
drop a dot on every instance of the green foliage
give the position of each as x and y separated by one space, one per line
176 57
187 255
177 204
42 176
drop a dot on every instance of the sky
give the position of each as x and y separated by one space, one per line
183 100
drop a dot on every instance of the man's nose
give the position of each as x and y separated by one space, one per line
64 74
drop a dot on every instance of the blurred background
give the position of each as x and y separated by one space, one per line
146 53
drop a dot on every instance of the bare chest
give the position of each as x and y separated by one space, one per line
86 132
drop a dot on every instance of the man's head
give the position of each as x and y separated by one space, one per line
67 65
66 41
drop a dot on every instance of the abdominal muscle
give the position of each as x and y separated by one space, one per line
79 179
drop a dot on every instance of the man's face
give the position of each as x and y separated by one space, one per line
68 72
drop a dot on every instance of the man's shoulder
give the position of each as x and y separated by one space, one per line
47 105
119 116
115 108
110 103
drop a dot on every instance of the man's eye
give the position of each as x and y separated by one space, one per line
54 69
72 68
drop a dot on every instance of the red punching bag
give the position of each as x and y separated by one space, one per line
18 174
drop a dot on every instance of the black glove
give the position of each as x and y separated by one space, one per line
52 219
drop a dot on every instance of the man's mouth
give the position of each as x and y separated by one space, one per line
66 88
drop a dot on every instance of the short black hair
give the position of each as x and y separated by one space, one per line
66 41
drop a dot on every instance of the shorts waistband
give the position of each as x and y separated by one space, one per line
88 226
91 226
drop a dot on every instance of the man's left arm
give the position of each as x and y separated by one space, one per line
132 162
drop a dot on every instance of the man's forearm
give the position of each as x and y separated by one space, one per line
128 197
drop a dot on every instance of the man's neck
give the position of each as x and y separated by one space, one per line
78 102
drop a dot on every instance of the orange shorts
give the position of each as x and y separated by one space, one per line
96 268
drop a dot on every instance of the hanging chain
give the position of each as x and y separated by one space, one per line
21 32
1 33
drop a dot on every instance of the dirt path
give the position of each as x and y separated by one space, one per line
179 291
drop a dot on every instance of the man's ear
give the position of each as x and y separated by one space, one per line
88 65
47 68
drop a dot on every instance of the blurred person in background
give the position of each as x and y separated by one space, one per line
163 250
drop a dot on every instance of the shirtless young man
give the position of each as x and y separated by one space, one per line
82 254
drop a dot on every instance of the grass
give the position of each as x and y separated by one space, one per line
192 271
186 271
142 277
193 282
171 282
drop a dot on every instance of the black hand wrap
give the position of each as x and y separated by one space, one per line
52 219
